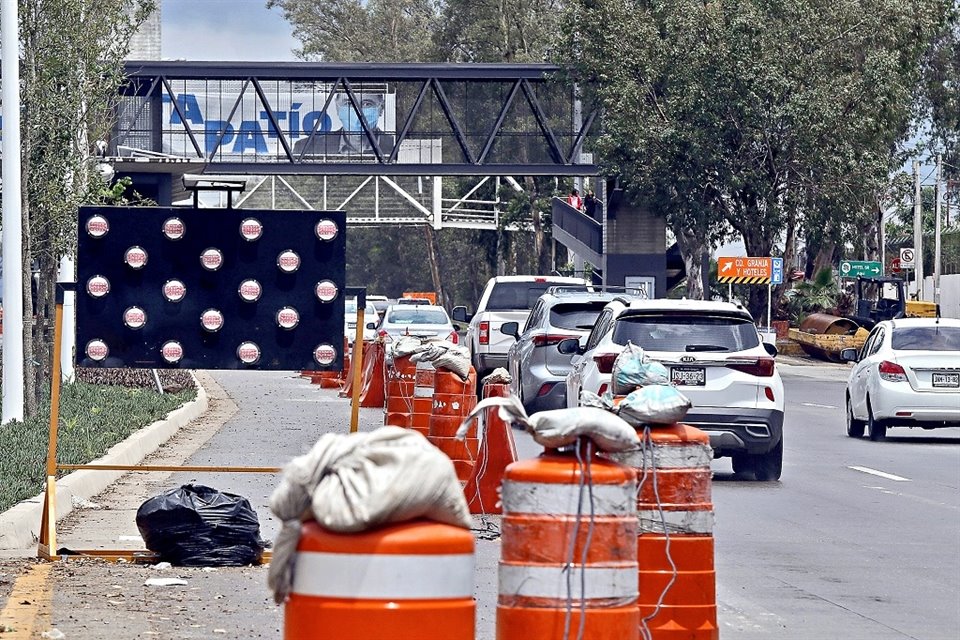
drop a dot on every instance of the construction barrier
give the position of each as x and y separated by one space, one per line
423 397
497 450
675 530
374 376
406 581
453 399
401 378
568 563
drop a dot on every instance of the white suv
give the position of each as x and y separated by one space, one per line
715 356
504 299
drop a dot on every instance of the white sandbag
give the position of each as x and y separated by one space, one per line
355 482
561 427
498 376
654 404
447 356
408 345
633 369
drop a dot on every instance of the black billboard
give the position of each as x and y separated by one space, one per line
179 287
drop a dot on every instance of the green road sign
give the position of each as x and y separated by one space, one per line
854 268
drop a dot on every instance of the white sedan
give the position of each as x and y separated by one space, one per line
906 375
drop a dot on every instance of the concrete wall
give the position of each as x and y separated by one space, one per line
145 43
949 294
635 243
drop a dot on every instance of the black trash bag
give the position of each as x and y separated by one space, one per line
196 526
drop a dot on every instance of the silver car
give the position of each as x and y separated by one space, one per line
537 367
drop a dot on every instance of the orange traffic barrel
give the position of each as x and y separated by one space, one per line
453 399
497 450
423 397
406 581
568 559
675 531
400 384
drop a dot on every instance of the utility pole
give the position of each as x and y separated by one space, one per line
12 216
936 237
918 230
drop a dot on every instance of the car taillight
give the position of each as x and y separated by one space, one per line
546 388
892 372
603 389
384 335
548 339
767 391
762 368
605 361
483 337
453 337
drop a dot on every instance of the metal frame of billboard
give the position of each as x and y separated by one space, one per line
154 82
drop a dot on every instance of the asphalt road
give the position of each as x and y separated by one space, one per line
858 540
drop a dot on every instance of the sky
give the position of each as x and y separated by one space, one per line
225 30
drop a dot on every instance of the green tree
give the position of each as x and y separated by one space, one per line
763 116
362 30
72 66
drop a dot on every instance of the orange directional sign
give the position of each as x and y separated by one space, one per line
744 270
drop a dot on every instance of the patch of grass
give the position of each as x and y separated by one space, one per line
93 418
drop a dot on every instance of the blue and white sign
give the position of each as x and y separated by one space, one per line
776 271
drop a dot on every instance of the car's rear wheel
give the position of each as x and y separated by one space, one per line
854 426
768 466
741 463
876 428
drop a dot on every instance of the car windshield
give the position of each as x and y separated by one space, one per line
686 333
350 307
932 338
576 316
508 296
417 316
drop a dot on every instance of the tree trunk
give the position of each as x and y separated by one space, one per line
757 245
692 249
541 255
433 256
824 258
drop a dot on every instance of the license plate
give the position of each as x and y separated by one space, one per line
688 376
947 380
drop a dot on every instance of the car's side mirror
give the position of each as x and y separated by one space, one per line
849 355
511 329
771 349
460 314
371 325
569 347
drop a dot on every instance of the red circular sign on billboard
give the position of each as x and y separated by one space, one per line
326 230
172 351
97 226
248 352
134 317
251 229
173 228
288 318
211 259
174 290
325 354
97 350
211 320
135 257
326 291
98 286
250 290
288 261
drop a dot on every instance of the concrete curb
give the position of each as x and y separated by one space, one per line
20 525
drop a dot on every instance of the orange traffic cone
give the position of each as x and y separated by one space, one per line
406 581
497 450
374 378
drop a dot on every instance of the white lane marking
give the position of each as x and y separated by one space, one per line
822 406
874 472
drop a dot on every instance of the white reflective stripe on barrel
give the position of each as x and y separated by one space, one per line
666 457
550 582
562 499
677 521
383 576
